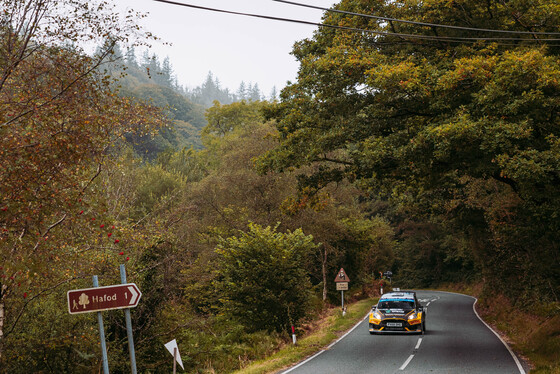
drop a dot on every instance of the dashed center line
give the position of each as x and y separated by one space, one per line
419 340
406 362
411 356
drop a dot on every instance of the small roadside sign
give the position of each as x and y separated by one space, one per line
342 276
103 298
342 286
174 350
341 281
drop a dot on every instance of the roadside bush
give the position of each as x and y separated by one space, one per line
262 278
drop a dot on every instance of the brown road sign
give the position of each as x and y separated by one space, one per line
342 286
342 276
103 298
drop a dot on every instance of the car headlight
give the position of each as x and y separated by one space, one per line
413 316
376 315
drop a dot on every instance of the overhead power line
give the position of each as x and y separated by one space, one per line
355 29
415 22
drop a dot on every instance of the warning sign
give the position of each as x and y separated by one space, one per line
341 276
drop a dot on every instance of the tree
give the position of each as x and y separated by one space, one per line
223 119
167 73
58 119
262 279
273 94
233 193
130 57
242 91
255 93
465 130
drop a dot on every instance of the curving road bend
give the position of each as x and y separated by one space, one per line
456 342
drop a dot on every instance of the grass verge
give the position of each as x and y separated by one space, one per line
535 334
326 330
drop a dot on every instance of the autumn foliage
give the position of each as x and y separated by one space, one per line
59 118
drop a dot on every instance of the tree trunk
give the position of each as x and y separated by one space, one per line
3 290
324 270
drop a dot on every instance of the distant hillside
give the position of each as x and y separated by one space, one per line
154 82
150 79
186 118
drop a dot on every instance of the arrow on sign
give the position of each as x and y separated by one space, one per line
134 295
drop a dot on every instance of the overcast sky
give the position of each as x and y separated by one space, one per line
235 48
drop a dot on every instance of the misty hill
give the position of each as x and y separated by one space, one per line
152 79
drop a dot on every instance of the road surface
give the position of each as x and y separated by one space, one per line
456 342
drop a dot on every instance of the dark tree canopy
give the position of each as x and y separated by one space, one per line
467 128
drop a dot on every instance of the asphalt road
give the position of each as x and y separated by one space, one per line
456 342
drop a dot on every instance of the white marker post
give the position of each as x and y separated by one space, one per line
174 350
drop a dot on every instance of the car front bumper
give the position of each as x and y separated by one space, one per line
395 325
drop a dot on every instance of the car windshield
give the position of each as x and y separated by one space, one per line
396 304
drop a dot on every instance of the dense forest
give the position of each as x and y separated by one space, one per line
431 152
151 80
150 70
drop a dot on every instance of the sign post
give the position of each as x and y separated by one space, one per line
342 281
98 299
128 326
101 331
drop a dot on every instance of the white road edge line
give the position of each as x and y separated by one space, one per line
418 344
328 347
519 366
348 332
303 362
406 362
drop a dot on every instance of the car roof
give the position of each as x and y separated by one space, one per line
398 295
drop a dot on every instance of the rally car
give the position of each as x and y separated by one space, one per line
398 312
